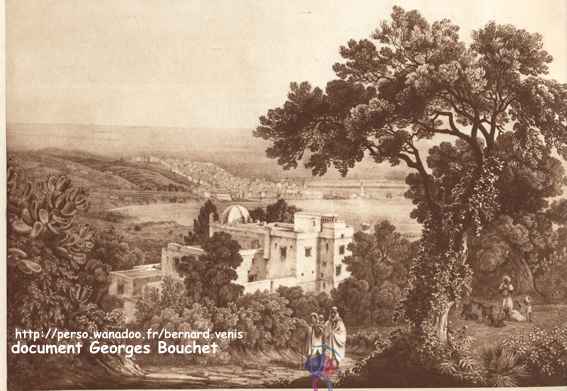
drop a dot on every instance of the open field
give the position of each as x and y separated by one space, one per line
485 336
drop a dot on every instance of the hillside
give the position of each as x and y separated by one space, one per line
111 182
235 150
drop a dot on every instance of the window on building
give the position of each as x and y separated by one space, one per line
327 246
324 285
338 270
325 264
314 223
120 288
307 252
322 275
283 253
342 236
251 277
342 249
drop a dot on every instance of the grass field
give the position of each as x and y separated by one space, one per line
485 336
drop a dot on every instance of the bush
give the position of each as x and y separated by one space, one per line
405 359
303 304
266 320
503 367
544 353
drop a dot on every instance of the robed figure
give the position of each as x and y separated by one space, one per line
336 336
314 338
507 290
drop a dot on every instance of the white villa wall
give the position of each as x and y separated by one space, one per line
307 222
307 266
279 267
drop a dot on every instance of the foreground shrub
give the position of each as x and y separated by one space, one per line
405 359
544 354
503 367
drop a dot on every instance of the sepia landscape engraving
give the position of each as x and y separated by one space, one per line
182 214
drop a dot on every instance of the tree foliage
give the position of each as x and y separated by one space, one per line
258 214
111 246
201 223
277 212
211 275
414 81
378 264
266 319
303 304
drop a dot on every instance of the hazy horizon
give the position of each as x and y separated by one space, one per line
214 64
118 77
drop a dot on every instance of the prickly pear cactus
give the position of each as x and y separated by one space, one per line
45 208
52 281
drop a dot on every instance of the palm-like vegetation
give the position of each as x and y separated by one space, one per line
503 367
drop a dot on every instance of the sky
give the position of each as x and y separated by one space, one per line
210 63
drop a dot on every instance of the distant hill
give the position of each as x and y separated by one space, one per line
235 150
98 172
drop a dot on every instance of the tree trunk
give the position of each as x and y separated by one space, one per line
525 282
441 321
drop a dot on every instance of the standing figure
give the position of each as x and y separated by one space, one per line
528 305
314 342
506 289
336 336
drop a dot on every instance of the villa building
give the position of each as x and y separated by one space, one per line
308 253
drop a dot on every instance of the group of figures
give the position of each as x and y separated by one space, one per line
325 347
524 311
507 309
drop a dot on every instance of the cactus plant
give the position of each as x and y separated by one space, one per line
52 282
47 208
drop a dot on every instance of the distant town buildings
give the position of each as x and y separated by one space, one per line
217 183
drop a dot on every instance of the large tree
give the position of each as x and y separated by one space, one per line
414 81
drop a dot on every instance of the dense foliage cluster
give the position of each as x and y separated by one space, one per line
53 278
53 281
266 319
201 224
543 353
379 275
280 211
211 276
110 245
303 304
398 362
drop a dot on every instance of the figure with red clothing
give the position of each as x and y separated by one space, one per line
322 366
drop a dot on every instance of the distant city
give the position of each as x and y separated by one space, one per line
215 182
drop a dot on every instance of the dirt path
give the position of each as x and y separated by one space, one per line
221 376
